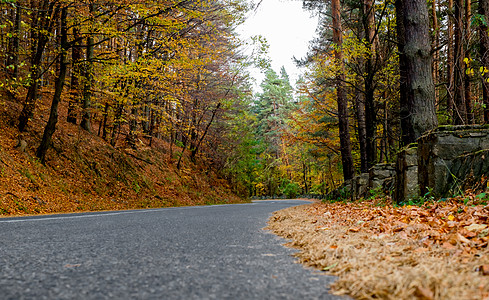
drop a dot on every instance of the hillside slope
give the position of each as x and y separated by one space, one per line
85 173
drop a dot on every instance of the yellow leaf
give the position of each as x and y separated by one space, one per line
451 218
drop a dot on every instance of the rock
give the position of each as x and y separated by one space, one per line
21 144
452 156
406 176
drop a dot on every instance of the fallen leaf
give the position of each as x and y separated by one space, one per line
424 293
421 250
448 246
484 270
330 267
354 229
467 233
476 227
462 239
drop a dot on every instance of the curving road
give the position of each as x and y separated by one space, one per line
208 252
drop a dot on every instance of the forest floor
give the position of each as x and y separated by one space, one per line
85 173
438 250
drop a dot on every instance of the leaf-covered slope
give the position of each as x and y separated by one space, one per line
85 173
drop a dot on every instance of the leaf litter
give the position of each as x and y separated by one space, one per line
378 251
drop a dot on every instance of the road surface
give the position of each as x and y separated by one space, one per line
208 252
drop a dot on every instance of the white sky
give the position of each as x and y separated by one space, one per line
288 30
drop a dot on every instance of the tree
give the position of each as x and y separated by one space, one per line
342 101
58 89
484 54
416 72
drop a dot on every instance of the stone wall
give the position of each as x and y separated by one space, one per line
406 182
380 176
448 156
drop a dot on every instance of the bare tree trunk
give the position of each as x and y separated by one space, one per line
345 143
467 84
459 111
43 22
76 57
450 59
484 55
53 116
12 61
197 146
435 46
362 132
407 132
418 63
131 136
104 122
87 88
370 109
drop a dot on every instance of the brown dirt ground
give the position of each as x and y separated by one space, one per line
438 251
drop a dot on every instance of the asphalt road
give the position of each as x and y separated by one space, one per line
210 252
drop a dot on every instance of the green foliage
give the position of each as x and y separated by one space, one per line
136 187
28 175
376 193
341 194
290 189
419 201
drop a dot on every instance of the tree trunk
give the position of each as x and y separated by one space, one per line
484 55
117 123
76 57
58 88
459 110
435 46
370 109
418 64
133 122
345 143
104 122
467 84
407 132
197 146
362 132
450 59
12 61
87 88
42 24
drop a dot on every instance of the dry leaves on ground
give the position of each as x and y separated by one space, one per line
436 251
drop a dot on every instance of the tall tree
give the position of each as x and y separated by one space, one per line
88 71
43 21
346 155
484 54
460 108
417 74
58 88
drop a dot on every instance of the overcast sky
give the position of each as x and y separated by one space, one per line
288 30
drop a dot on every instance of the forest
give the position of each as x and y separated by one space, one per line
133 72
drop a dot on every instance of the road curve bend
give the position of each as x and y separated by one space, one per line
206 252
